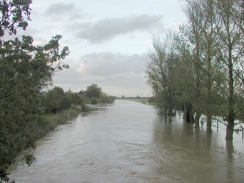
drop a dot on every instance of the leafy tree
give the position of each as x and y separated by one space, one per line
82 93
209 47
106 99
192 33
159 73
93 91
230 57
13 14
24 70
183 80
55 100
208 72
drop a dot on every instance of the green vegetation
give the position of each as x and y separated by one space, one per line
199 69
24 70
53 120
94 95
26 111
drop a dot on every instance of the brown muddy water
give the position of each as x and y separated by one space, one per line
129 142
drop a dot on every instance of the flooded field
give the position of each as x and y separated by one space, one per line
129 142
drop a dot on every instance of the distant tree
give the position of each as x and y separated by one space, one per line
104 98
55 100
93 91
83 93
74 98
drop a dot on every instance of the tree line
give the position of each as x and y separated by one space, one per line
56 99
199 68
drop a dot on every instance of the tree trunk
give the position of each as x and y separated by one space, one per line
209 85
209 123
169 103
197 118
165 111
189 118
231 115
230 126
170 113
184 113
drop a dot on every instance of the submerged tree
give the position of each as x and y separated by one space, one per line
160 73
230 57
208 72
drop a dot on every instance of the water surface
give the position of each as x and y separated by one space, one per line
129 142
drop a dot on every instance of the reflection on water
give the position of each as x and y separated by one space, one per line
198 156
128 142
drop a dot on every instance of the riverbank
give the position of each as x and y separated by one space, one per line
145 101
48 123
62 117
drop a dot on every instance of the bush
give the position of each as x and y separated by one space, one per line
94 101
104 98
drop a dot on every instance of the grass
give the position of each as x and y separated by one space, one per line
53 120
144 101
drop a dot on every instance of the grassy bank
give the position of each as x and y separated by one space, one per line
53 120
143 101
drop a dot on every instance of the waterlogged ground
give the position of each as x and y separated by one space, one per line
128 142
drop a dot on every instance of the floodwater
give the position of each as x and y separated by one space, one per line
129 142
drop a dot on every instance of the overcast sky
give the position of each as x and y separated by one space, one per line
108 40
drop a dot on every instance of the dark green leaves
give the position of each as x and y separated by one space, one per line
14 14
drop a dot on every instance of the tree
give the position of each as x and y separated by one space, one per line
24 70
230 57
13 14
209 48
55 100
93 91
159 73
207 74
193 34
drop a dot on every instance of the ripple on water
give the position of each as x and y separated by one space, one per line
128 142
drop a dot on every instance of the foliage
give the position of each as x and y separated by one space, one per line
200 68
160 73
94 101
106 99
93 91
14 14
54 100
24 70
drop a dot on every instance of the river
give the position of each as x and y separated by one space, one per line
128 142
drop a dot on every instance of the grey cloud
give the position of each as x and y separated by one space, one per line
120 84
60 8
108 63
115 73
106 29
61 12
